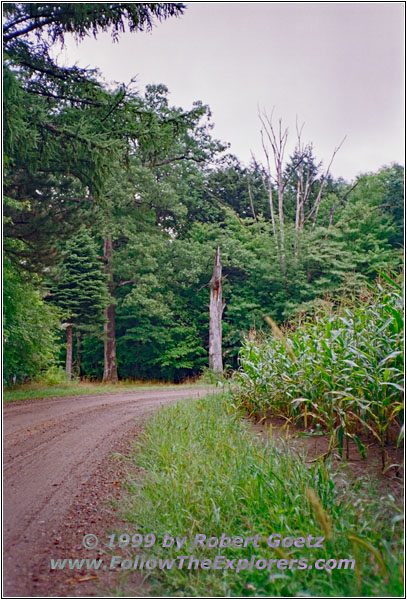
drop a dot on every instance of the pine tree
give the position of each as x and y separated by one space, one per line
80 289
63 129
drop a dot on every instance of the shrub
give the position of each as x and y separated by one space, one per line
55 375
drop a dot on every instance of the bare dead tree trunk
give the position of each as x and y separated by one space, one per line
274 140
110 361
270 193
324 178
304 184
216 307
297 213
69 345
278 141
251 197
269 189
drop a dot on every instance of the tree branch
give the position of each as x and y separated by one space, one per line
69 98
175 158
363 213
36 25
122 283
55 129
113 108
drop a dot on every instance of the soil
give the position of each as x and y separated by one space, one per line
390 479
64 461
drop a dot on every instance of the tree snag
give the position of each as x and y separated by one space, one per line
216 307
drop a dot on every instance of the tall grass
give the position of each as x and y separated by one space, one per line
342 372
204 471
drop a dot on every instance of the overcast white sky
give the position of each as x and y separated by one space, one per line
338 66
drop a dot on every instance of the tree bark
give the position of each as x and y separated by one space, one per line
278 141
78 352
216 307
251 197
110 362
68 366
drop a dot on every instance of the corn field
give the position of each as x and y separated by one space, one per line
340 373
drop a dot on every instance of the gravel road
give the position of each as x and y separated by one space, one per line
55 470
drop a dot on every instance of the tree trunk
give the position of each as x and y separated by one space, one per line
68 366
110 362
216 307
110 365
78 352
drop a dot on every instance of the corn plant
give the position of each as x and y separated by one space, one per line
342 371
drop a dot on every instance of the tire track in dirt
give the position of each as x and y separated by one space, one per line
53 450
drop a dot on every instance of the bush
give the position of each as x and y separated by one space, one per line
55 375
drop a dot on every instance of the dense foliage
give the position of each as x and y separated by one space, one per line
80 285
30 327
157 195
341 371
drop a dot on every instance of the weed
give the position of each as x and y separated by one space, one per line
204 471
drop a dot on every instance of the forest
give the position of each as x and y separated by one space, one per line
122 214
115 202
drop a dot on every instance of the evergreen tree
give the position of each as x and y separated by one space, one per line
80 289
63 131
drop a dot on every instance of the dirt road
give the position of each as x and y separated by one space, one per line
56 475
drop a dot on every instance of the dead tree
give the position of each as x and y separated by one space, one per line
216 307
278 141
274 141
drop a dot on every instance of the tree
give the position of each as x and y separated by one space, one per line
141 174
301 173
230 184
65 133
63 129
80 289
216 307
143 191
366 226
162 268
30 326
385 190
52 21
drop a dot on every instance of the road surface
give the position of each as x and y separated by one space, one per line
56 453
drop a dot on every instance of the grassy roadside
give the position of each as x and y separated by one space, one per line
35 391
206 472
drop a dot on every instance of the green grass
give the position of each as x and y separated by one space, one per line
204 471
32 391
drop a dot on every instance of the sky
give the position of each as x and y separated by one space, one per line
337 67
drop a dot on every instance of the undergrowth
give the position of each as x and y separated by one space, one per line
204 471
